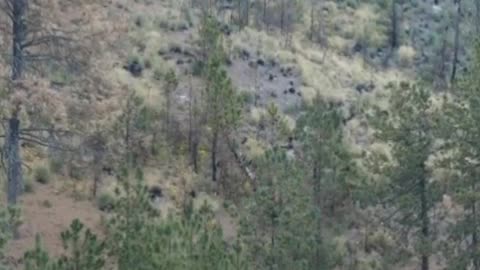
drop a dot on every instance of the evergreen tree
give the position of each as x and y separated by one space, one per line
83 251
328 164
408 128
462 130
222 107
140 239
278 227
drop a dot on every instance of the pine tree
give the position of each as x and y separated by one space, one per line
83 251
408 128
222 107
278 227
461 122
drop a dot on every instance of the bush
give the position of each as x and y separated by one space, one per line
42 175
105 202
47 204
28 185
406 54
56 165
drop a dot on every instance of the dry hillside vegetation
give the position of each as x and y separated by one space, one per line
131 90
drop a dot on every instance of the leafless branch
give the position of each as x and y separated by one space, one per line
45 40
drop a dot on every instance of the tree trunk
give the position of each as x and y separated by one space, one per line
192 128
425 222
312 18
19 10
475 259
456 42
317 199
214 155
477 16
247 12
14 162
394 38
265 13
282 15
97 159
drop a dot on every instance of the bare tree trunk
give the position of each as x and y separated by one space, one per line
477 16
214 155
456 42
19 11
192 128
12 143
14 162
394 38
476 261
247 12
317 199
425 222
312 18
282 15
265 13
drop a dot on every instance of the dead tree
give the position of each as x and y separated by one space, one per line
456 44
26 37
394 42
97 145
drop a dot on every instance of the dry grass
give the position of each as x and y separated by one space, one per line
406 55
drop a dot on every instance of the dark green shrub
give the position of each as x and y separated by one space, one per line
28 185
105 202
42 175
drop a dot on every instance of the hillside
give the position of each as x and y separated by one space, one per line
320 134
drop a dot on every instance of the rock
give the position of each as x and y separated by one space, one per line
108 170
228 61
226 30
252 64
364 87
176 49
135 68
180 62
273 95
291 83
285 92
244 55
273 63
299 94
187 53
155 192
260 62
357 47
291 90
271 77
244 140
193 194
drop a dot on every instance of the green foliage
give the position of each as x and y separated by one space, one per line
408 127
279 225
223 103
83 251
460 130
42 175
139 240
327 158
28 185
56 165
105 202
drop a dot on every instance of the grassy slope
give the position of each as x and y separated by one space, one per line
332 73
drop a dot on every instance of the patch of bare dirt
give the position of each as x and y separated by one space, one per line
48 213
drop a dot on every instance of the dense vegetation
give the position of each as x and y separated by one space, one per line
304 187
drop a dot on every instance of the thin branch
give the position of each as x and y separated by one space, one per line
39 141
44 40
